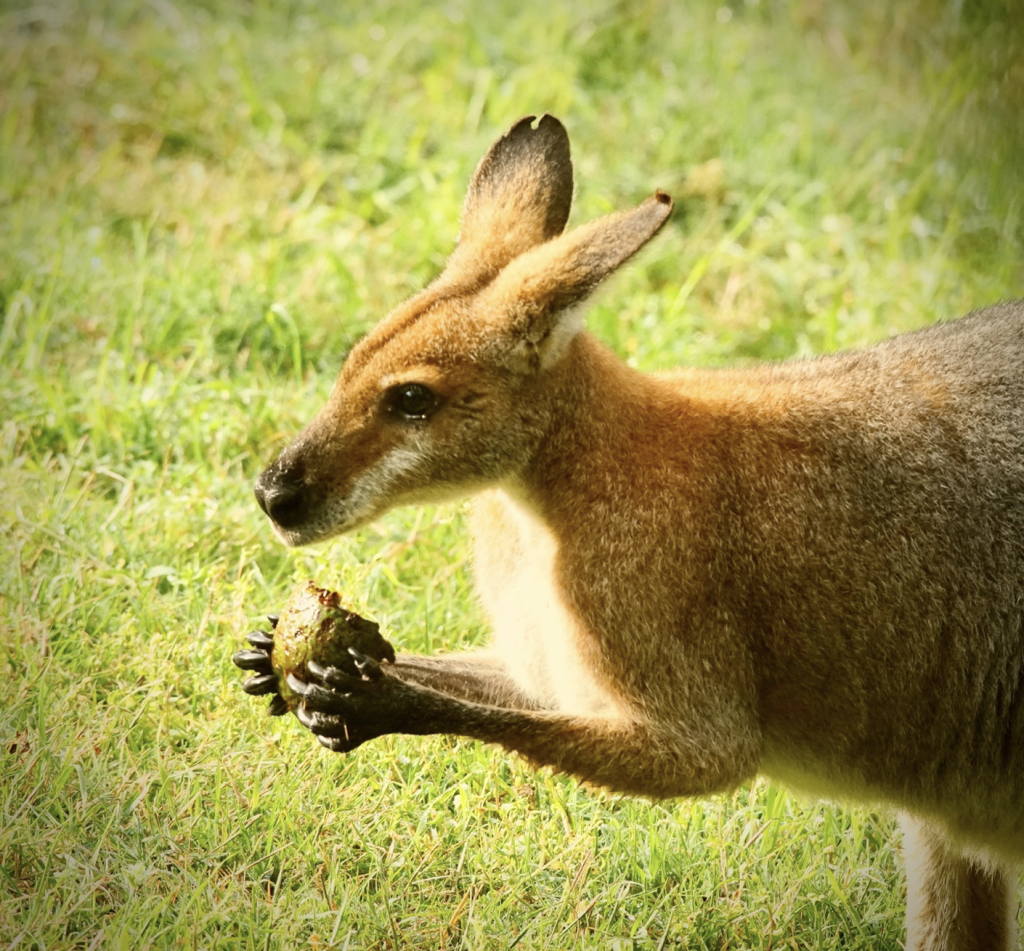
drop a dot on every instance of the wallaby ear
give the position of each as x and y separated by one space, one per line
534 295
519 197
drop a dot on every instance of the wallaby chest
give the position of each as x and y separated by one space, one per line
538 636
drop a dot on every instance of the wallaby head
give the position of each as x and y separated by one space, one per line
439 399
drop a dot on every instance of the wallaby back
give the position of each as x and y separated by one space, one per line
813 570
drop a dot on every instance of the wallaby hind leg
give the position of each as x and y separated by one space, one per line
955 902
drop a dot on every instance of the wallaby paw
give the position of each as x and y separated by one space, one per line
343 710
332 730
258 662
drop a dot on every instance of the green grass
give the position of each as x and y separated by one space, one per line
202 205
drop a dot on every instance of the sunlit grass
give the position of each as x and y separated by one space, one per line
201 207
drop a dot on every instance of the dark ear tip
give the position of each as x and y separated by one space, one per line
663 197
547 124
551 122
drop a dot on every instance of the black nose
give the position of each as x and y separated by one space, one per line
280 498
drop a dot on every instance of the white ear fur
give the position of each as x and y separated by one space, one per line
534 354
569 323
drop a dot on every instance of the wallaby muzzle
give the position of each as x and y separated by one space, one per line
281 494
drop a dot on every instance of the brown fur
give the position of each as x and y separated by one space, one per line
813 571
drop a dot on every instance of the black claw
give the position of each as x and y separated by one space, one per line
273 618
367 666
314 696
260 640
331 676
278 706
335 744
258 686
321 724
252 660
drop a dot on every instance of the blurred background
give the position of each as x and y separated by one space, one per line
203 203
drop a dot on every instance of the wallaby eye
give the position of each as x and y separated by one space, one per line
412 400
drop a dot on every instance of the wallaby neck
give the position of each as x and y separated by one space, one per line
594 418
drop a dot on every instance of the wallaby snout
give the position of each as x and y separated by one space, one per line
302 490
813 571
281 496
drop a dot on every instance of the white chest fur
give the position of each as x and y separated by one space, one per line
536 634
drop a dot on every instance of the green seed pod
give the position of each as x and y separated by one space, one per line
315 626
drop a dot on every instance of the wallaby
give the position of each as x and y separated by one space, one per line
813 571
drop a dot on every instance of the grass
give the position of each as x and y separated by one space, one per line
201 206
